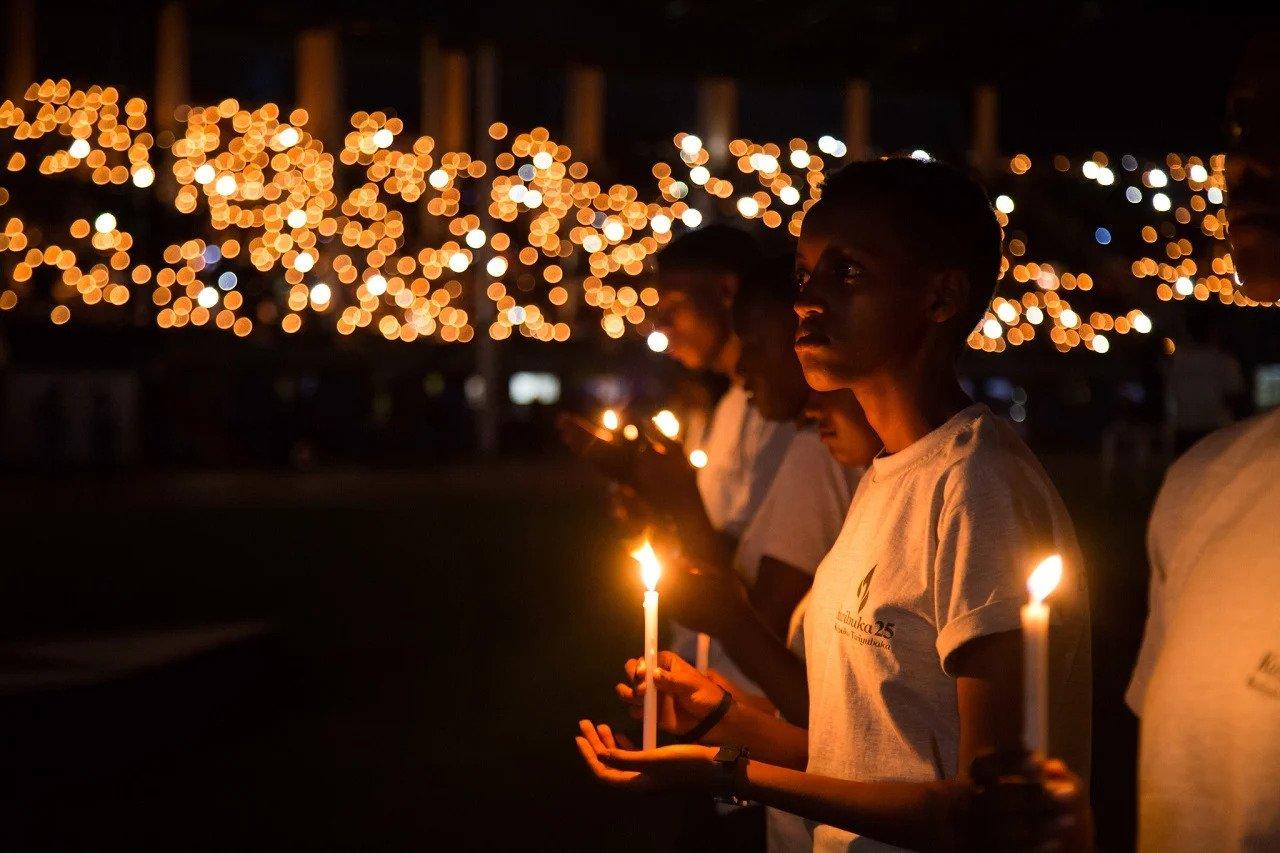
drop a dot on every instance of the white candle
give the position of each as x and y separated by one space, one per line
1035 655
703 659
650 569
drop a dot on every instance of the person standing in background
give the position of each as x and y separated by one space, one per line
1209 700
1204 383
698 276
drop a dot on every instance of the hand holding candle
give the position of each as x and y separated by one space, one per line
650 569
1035 655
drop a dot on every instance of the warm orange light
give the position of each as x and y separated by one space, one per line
650 568
1045 578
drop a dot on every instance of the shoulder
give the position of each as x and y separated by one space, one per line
988 455
1213 461
808 466
807 450
1226 447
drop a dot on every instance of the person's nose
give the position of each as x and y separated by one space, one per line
1244 168
807 303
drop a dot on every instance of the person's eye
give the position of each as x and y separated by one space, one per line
800 278
849 272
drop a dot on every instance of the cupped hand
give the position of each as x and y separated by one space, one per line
683 767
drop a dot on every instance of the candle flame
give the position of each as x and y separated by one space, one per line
609 419
1045 578
667 423
650 568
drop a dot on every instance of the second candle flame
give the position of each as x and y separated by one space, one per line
1045 578
650 568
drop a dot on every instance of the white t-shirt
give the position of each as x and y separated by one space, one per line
1207 682
935 552
1201 381
796 522
743 454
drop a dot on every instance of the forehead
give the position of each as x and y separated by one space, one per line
858 225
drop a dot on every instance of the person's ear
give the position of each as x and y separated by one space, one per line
727 287
946 296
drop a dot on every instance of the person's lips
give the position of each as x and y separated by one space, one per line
808 335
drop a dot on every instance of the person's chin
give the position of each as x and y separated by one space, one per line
1255 248
687 359
818 373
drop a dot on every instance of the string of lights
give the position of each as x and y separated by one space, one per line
282 245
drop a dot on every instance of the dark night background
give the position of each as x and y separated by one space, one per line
374 638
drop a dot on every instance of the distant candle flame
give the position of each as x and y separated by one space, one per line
609 419
1045 578
667 423
698 458
650 568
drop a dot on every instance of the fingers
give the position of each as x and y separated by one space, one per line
624 742
660 443
673 663
606 736
628 694
593 737
608 775
685 684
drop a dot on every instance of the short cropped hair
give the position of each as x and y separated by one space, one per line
768 287
936 206
715 248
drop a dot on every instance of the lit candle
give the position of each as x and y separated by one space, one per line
609 420
1035 655
649 572
667 423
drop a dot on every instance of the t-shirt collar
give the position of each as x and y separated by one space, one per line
888 465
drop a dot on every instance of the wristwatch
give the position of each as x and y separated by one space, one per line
731 773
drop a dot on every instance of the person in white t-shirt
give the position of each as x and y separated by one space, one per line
912 640
699 275
1207 682
798 520
1206 685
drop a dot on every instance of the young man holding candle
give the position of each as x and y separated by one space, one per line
913 649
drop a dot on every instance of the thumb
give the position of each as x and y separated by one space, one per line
670 682
659 442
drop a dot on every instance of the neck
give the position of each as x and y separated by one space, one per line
726 361
906 403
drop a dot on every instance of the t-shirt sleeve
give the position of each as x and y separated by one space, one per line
805 507
996 523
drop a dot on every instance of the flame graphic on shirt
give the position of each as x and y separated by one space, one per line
864 589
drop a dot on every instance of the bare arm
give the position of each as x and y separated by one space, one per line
766 660
920 815
778 589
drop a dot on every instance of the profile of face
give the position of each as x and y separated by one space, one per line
1253 171
694 317
864 302
767 362
843 427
